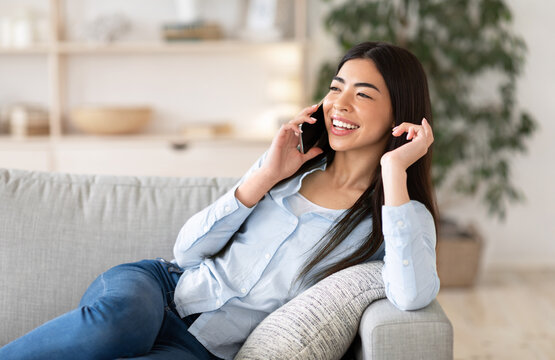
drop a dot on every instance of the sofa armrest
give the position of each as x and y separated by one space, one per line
389 333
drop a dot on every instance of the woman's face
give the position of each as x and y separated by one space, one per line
358 109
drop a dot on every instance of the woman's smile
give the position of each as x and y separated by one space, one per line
341 126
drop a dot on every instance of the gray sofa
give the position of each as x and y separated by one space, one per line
59 231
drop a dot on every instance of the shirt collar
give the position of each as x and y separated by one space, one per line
280 192
292 186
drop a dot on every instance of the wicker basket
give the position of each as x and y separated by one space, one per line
111 120
458 257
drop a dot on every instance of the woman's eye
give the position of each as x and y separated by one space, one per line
364 95
334 88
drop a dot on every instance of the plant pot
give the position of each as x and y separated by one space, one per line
459 252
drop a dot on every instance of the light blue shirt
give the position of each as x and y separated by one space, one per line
267 245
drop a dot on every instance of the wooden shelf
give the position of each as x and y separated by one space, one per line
6 138
169 48
9 140
28 50
76 48
57 50
158 138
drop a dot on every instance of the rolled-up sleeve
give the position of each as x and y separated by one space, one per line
209 230
409 273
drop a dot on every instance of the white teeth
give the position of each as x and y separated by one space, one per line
341 124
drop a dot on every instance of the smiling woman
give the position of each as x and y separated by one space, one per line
382 89
362 194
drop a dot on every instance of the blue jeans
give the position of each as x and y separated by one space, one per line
128 311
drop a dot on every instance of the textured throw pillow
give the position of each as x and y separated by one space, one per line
319 323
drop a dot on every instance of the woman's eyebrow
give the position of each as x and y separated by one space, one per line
358 84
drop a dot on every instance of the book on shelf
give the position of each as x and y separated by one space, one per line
179 31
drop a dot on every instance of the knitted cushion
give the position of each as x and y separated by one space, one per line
321 322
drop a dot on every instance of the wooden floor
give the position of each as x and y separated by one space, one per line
509 314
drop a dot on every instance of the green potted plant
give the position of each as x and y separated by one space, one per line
473 61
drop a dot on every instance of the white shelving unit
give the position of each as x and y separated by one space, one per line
62 151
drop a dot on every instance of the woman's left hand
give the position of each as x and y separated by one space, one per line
404 156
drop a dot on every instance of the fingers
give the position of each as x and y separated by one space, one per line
304 116
428 130
309 110
300 119
410 128
291 127
413 130
411 133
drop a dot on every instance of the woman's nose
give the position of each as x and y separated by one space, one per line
341 103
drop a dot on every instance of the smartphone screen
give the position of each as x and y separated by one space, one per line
311 133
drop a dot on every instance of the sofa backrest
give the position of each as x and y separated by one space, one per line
59 231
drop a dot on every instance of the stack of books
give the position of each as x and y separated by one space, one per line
191 31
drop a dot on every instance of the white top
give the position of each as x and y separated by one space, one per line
299 205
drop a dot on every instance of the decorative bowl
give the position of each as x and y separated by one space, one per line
111 120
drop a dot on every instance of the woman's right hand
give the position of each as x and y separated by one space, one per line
284 158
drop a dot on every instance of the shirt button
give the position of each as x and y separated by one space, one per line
227 209
405 262
400 224
267 256
218 303
206 228
244 291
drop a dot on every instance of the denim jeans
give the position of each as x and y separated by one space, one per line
127 312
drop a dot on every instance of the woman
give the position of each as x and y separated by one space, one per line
364 193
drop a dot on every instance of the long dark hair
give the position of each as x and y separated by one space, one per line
410 100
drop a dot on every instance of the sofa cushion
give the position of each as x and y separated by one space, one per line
59 231
321 322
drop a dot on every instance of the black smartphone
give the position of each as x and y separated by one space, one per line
311 133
